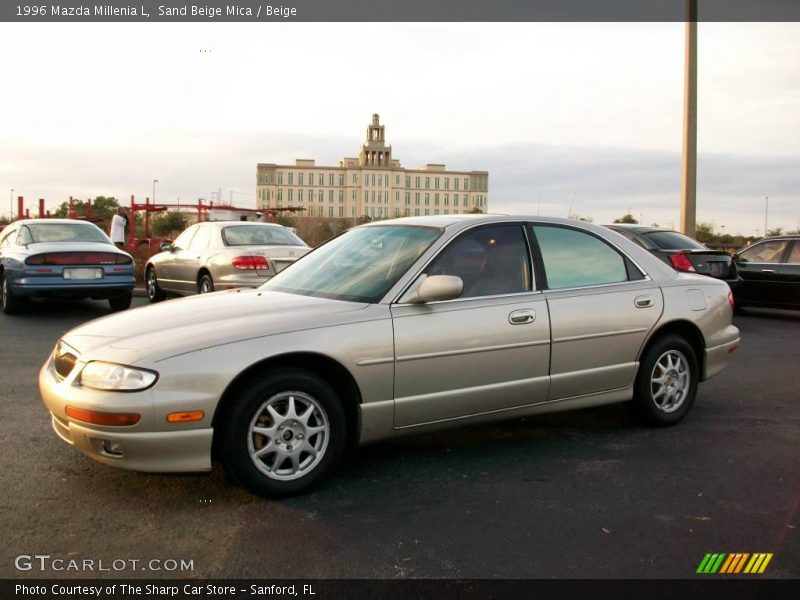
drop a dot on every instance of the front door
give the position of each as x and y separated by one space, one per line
489 349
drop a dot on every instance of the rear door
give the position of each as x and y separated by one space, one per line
789 278
187 262
166 267
602 308
759 266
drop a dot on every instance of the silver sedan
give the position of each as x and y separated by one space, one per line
221 255
391 328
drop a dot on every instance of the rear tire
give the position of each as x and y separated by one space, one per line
205 285
284 434
666 383
11 304
120 302
154 293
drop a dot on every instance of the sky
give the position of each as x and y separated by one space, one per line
566 117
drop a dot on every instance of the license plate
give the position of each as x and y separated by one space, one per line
83 273
280 265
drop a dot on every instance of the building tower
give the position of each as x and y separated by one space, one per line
374 151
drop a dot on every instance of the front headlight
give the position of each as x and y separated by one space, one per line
109 376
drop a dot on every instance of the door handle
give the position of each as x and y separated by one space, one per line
643 301
520 317
767 270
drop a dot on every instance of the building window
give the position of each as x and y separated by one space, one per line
321 179
427 201
455 197
341 179
408 198
427 183
416 198
455 183
300 195
436 199
341 196
416 182
386 180
330 195
280 195
408 181
291 178
436 183
300 178
416 212
447 199
330 211
373 180
280 177
427 212
397 180
354 178
290 194
466 184
447 183
397 196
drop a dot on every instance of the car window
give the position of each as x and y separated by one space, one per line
794 255
575 258
672 240
489 260
63 232
259 235
765 252
360 265
182 241
201 239
24 238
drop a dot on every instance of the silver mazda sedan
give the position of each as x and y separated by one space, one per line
221 255
393 327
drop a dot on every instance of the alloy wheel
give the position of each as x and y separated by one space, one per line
670 381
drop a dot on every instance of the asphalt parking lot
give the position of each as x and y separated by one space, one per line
587 494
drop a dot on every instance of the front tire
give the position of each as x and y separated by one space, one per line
154 293
666 383
11 303
285 433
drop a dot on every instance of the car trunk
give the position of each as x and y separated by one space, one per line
711 262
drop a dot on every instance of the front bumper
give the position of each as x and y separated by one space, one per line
137 447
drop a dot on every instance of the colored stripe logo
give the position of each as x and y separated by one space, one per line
734 563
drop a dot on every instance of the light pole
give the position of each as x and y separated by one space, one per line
11 212
766 213
155 181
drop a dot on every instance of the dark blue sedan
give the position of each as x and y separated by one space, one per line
62 258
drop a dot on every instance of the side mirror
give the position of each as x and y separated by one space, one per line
436 288
166 247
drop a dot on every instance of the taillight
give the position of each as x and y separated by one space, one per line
79 258
731 301
681 263
250 263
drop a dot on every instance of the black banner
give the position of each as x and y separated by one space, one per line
165 11
414 589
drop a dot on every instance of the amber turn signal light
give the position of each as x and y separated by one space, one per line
102 418
185 416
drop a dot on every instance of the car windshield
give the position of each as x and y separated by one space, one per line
36 233
360 265
672 240
259 235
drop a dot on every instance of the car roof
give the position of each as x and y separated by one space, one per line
636 228
49 220
235 223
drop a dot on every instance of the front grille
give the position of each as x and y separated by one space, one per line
64 361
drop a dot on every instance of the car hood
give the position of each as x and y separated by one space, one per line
175 327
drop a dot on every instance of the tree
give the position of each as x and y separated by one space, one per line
626 218
577 217
102 207
704 233
166 223
776 231
475 211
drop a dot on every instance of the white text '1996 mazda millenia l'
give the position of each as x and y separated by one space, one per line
393 327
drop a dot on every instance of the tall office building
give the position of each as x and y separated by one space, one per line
373 185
